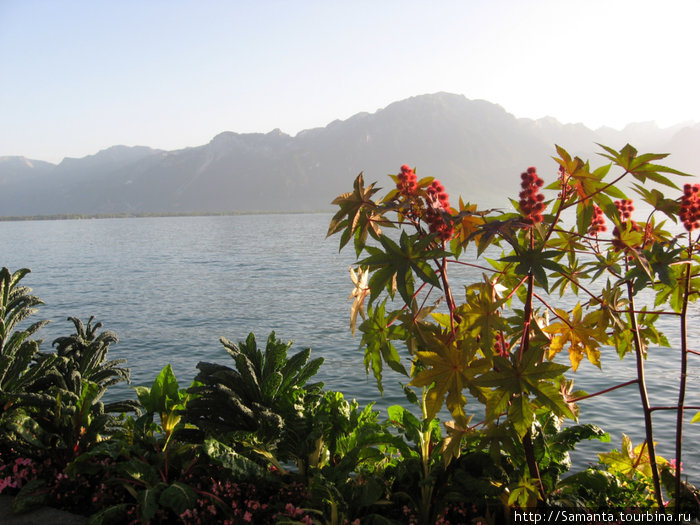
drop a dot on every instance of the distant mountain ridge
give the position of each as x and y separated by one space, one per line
474 147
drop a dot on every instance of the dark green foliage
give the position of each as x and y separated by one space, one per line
84 353
62 410
264 395
17 349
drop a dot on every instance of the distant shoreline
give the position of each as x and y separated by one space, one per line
81 216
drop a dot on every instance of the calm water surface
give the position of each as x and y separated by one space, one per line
171 287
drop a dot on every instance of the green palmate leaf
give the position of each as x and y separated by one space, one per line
533 262
656 261
674 295
584 214
587 187
497 402
513 380
609 262
414 321
378 332
358 216
549 395
630 460
575 273
492 231
457 430
398 262
640 166
670 207
481 316
521 413
583 335
610 303
450 367
573 166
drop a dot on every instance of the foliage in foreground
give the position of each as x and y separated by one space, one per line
258 442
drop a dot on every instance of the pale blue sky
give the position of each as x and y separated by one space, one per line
80 76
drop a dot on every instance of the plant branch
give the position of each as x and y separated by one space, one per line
621 385
641 381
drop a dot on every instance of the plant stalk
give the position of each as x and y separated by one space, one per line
528 447
683 379
641 381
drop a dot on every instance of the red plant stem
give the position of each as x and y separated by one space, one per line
628 383
528 446
515 288
599 190
641 381
448 296
640 456
684 374
525 341
527 314
692 351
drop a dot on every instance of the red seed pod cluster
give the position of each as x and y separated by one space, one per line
438 201
625 208
438 193
531 200
501 346
690 207
407 181
597 222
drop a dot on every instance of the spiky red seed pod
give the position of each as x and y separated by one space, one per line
690 207
597 222
437 191
531 201
407 183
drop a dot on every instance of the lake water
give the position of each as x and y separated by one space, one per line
170 287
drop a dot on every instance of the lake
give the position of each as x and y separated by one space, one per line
171 287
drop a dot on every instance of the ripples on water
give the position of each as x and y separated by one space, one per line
170 287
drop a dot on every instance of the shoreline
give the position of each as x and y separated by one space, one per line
85 216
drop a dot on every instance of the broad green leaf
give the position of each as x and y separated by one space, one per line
449 368
399 262
358 216
630 460
378 332
582 335
148 501
179 497
640 166
164 391
533 262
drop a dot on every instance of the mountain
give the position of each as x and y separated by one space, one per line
474 147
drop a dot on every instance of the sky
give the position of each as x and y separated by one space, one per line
79 76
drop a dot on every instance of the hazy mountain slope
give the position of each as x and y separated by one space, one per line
475 147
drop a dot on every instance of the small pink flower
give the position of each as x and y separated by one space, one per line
247 517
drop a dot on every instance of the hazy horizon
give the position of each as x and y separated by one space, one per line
106 147
82 76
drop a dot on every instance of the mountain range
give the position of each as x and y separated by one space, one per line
476 148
